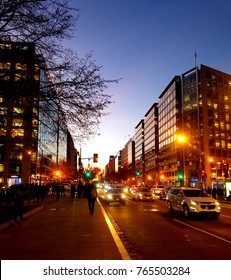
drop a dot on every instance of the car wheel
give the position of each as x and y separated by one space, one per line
186 211
215 216
170 209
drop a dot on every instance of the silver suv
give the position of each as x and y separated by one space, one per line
192 200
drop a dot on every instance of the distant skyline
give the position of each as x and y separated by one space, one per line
146 43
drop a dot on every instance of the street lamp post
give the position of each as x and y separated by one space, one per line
181 139
213 165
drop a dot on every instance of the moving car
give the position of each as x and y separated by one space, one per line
192 200
115 195
157 190
164 192
144 194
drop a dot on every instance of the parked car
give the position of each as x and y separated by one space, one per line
192 200
144 194
114 195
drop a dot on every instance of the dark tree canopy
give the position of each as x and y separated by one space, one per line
78 82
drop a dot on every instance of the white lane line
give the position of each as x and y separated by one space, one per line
123 252
206 232
229 217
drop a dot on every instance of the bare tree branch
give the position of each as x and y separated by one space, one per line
77 82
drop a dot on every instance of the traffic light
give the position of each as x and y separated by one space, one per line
203 174
137 173
180 176
88 175
95 157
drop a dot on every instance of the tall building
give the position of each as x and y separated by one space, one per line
139 149
206 122
19 94
169 124
151 148
31 145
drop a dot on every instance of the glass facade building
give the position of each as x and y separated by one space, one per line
33 138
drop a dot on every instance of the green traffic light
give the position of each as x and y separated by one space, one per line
88 175
137 173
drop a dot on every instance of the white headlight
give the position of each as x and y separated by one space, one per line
194 202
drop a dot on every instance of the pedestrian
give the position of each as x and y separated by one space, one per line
214 192
72 190
79 189
91 196
58 191
18 207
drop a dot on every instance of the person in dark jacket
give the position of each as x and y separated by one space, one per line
18 207
92 194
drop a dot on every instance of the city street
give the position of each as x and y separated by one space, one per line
65 230
151 232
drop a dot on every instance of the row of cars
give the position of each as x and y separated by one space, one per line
117 193
186 200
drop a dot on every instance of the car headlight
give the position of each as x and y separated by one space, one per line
109 196
194 202
123 196
217 203
140 194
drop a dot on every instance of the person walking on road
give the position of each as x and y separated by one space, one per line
91 196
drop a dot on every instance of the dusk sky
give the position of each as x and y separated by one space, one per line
146 43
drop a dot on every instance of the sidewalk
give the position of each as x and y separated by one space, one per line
62 230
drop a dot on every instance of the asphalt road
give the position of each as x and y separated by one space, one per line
150 232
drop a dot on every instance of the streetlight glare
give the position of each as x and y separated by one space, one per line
181 138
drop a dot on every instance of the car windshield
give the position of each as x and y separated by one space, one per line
116 191
194 193
144 190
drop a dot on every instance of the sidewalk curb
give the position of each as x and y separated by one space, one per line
25 216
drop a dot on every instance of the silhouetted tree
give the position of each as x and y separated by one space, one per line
77 82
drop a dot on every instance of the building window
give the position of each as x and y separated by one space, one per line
17 133
2 132
17 122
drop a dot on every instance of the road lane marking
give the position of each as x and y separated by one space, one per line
123 252
206 232
151 210
229 217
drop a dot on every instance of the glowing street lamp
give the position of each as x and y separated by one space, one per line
181 139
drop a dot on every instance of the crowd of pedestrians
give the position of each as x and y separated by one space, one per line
20 196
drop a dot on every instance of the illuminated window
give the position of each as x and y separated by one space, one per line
5 65
34 133
21 66
4 76
16 156
18 110
223 144
216 125
35 123
20 76
2 132
17 133
3 110
17 122
217 144
222 125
